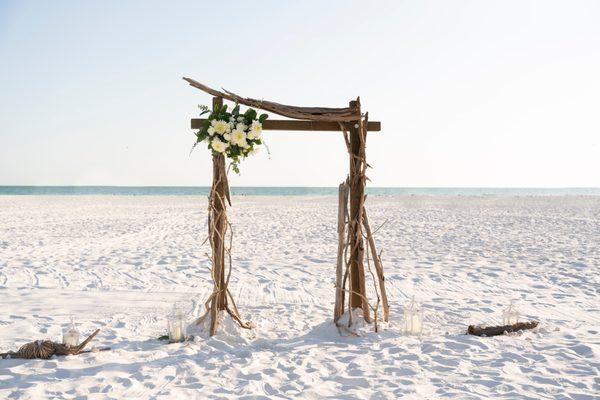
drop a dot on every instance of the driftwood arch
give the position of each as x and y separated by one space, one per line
353 225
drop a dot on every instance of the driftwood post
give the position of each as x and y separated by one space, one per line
220 299
339 270
357 191
218 218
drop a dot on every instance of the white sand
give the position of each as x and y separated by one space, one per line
119 263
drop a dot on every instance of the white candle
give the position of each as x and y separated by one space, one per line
510 316
176 333
415 324
71 338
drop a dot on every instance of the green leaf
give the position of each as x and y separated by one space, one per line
262 118
203 109
250 114
201 135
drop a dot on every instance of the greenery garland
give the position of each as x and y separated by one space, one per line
232 134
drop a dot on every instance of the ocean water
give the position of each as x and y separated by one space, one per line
288 191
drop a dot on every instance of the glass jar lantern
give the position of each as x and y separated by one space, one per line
176 323
413 318
510 315
71 335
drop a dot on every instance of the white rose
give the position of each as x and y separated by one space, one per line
220 126
211 131
219 146
255 130
227 137
239 137
241 127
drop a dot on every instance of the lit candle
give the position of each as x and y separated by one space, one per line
175 333
416 324
175 324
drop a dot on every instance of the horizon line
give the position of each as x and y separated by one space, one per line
318 187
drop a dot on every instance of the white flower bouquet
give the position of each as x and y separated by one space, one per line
232 134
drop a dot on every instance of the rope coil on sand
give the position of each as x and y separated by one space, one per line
45 349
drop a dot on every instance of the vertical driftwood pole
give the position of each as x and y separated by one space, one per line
221 298
339 270
218 218
378 268
357 190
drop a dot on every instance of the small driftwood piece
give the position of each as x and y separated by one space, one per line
45 349
378 267
500 330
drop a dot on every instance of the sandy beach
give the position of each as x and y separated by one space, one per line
118 263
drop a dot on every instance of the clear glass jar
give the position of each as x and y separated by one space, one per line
413 318
510 315
176 324
71 335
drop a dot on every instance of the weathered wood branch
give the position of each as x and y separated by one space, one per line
500 330
378 267
351 113
357 190
339 270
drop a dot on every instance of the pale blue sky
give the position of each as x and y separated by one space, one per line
470 93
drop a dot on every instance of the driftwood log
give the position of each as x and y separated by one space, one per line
351 113
500 330
45 349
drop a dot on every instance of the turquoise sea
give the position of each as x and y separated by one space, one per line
288 191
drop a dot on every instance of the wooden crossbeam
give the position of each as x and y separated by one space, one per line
297 125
